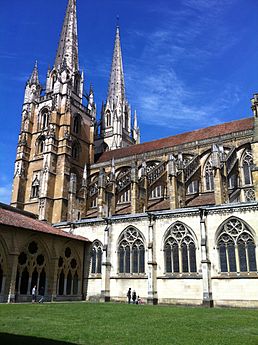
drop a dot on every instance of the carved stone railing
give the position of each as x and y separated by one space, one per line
45 97
79 105
231 160
249 194
124 180
191 167
156 173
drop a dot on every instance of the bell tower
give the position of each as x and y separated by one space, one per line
55 141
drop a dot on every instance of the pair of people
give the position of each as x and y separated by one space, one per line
135 299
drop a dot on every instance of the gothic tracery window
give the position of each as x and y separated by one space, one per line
68 273
131 252
76 124
247 164
209 177
108 119
236 247
180 250
31 269
35 187
75 151
44 119
96 256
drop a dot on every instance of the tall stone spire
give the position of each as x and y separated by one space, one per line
116 89
34 78
67 52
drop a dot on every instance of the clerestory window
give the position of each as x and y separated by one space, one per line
209 177
247 164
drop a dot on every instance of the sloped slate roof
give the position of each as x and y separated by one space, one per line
13 217
179 139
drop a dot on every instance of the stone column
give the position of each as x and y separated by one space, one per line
172 183
152 264
11 292
134 189
254 146
106 264
102 212
206 264
54 282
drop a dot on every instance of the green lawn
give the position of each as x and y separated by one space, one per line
113 324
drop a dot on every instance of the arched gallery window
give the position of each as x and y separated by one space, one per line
236 247
35 187
68 276
108 119
40 145
75 150
76 124
208 176
247 163
31 269
180 250
44 119
131 252
96 256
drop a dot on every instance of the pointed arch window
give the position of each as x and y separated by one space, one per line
180 250
247 164
40 145
236 247
77 124
209 177
108 119
31 269
44 119
35 187
131 252
75 150
96 257
68 273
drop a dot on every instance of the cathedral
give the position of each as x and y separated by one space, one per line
175 219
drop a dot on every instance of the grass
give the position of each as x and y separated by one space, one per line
122 324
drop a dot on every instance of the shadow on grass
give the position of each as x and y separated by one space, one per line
11 339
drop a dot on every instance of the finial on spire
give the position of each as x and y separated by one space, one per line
34 79
68 43
117 21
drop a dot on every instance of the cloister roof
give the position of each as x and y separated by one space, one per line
18 219
180 139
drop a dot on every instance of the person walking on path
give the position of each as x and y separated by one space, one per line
129 296
134 297
41 293
33 292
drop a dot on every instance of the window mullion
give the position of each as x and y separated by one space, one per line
237 258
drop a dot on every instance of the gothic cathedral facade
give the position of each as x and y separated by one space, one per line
175 219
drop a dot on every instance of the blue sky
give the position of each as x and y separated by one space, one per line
188 63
